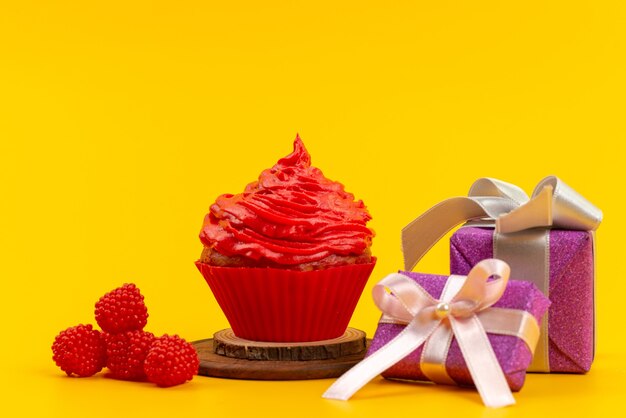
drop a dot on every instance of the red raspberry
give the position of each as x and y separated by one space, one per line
121 310
79 350
171 361
126 353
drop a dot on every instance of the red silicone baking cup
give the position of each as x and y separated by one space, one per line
281 305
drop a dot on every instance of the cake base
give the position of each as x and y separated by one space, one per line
228 356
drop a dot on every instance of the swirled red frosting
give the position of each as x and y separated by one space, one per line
291 215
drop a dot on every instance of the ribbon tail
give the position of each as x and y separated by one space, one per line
401 346
424 232
482 362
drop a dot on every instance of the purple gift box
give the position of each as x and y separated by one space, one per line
512 353
571 287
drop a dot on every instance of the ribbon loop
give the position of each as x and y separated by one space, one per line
497 188
404 300
570 210
477 290
433 322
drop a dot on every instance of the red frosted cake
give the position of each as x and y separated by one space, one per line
288 258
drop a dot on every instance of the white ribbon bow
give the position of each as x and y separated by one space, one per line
430 321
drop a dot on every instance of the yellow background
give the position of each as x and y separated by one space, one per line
120 122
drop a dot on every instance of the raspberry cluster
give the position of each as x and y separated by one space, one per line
129 352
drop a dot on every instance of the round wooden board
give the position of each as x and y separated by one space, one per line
215 365
226 343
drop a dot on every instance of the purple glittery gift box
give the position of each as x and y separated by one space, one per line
571 315
512 353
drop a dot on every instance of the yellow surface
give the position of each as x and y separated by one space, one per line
120 122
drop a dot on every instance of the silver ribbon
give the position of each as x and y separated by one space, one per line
521 235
